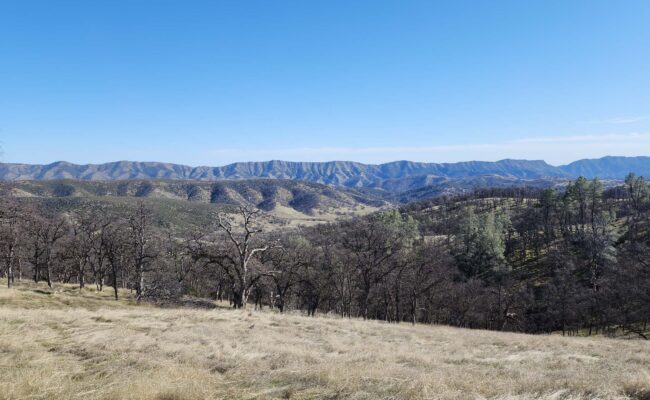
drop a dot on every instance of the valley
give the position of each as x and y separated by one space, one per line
192 204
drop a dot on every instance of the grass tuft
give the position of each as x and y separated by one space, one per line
639 390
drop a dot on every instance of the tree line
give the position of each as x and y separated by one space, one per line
573 260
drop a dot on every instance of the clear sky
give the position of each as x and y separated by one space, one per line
213 82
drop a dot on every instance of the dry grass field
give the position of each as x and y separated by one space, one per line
65 345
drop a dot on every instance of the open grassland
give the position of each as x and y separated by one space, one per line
63 344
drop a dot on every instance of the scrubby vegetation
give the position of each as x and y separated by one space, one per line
187 205
117 302
571 261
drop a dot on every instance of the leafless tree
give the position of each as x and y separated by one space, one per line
51 230
116 248
286 263
141 254
10 235
243 249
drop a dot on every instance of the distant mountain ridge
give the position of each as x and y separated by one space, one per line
394 176
609 167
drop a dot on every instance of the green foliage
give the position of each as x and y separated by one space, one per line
403 228
298 242
480 243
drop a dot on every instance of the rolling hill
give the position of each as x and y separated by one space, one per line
398 181
189 203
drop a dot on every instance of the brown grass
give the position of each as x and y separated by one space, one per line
66 345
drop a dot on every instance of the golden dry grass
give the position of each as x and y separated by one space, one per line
64 345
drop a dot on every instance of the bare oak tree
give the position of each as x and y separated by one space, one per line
238 265
10 231
141 255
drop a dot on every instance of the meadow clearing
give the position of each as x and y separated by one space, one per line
67 344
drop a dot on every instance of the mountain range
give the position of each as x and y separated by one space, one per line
395 177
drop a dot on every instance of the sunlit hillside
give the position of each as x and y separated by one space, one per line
62 344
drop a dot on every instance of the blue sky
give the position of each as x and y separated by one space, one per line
213 82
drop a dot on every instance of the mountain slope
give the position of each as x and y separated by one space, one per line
608 167
394 177
341 173
185 203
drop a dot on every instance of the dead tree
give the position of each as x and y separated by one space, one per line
83 225
139 224
98 261
238 267
10 218
116 248
52 230
287 261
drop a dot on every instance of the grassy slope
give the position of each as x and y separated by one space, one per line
175 211
64 344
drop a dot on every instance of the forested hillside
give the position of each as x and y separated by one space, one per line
187 205
529 260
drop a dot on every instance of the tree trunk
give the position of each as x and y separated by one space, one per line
140 287
366 298
10 270
243 299
398 315
49 273
82 280
37 274
237 299
414 305
244 276
10 276
115 283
